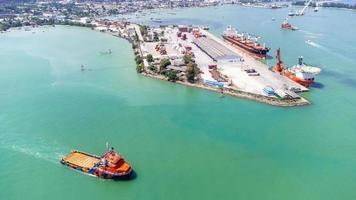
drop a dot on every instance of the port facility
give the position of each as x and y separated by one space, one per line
231 62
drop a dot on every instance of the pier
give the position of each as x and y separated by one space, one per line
214 50
236 71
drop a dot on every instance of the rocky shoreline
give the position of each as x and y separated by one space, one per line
238 93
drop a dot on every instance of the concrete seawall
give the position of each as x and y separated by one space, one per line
240 94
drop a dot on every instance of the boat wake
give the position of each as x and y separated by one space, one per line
36 153
38 149
329 50
311 34
316 45
311 43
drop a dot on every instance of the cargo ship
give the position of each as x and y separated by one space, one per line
288 26
109 166
245 42
300 73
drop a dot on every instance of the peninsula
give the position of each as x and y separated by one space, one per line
194 57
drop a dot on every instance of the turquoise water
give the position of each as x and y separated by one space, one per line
184 143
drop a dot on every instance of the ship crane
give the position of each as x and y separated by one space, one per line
279 66
301 12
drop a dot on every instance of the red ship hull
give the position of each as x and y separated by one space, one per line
279 68
305 83
258 51
288 27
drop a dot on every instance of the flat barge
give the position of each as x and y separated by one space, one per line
109 166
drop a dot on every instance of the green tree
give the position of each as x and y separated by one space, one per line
139 68
149 58
4 26
138 59
155 37
152 68
172 76
192 71
143 30
163 64
187 58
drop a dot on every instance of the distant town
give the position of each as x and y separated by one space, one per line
15 14
36 13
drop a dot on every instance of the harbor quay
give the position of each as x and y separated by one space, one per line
221 66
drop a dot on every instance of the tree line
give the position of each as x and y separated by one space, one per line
330 5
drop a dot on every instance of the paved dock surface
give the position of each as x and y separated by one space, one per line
230 60
254 84
214 49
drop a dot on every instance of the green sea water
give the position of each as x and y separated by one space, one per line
184 143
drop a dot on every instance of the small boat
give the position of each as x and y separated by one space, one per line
205 28
288 26
106 52
109 166
291 14
157 21
299 13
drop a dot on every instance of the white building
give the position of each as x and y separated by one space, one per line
84 20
